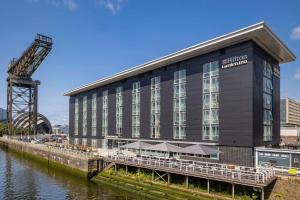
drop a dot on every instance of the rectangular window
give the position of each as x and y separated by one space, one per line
210 107
94 114
84 142
155 107
267 101
136 109
179 105
76 141
104 113
84 116
119 111
76 117
94 143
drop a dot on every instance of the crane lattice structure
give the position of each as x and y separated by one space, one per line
22 91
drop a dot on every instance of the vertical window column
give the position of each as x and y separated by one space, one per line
268 98
119 111
94 114
210 130
136 109
155 107
76 121
104 113
179 107
84 116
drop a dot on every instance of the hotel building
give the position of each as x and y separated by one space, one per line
224 93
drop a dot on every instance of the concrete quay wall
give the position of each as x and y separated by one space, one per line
53 157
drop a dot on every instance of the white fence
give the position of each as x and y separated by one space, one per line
250 175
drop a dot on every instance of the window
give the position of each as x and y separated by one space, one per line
84 116
119 111
214 100
179 105
104 113
76 121
268 117
206 101
76 142
210 107
94 143
94 114
136 109
84 142
267 102
155 107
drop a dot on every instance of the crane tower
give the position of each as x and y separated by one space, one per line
22 91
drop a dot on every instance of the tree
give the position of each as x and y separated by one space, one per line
3 129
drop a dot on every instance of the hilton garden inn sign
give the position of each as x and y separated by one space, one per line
234 61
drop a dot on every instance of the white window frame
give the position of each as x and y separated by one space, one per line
84 116
210 116
136 109
94 114
179 104
105 113
119 111
76 117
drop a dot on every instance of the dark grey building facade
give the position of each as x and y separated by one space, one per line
224 93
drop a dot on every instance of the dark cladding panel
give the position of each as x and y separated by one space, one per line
235 100
258 101
127 109
145 106
89 113
112 110
276 111
194 100
166 116
99 113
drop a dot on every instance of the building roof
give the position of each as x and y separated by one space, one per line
259 33
200 150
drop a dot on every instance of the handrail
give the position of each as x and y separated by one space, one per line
253 175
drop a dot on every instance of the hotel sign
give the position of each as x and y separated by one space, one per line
234 61
276 71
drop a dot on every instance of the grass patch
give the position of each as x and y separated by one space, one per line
177 189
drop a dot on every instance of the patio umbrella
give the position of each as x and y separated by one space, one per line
200 150
136 145
166 147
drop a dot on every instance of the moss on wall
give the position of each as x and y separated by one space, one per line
48 163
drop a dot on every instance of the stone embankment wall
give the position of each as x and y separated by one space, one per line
52 156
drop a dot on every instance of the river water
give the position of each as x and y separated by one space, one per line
24 179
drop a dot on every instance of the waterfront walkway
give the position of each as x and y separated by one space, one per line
255 177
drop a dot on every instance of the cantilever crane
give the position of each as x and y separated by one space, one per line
22 91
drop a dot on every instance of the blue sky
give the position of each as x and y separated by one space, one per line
96 38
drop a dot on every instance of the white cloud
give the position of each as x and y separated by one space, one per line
296 33
69 4
114 6
297 75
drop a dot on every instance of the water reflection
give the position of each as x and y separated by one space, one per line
24 179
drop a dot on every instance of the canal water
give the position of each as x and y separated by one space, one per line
24 179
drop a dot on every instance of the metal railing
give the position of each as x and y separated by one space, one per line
57 150
247 175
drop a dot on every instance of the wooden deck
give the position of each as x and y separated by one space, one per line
258 178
